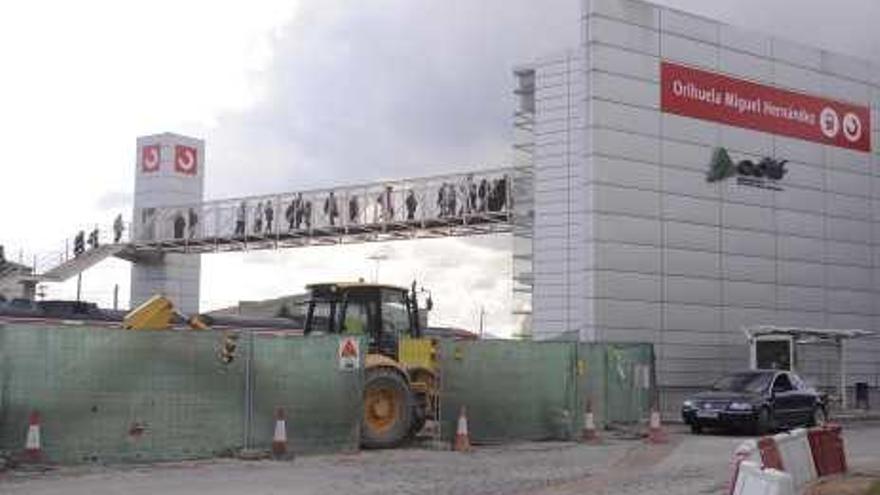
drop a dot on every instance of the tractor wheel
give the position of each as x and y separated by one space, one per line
387 409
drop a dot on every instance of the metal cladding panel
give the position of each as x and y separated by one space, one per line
630 37
689 290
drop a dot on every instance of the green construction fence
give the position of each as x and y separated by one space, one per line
540 390
107 395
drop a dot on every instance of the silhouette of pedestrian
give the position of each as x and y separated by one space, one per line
307 213
411 205
93 238
483 194
240 216
79 243
258 218
353 209
179 226
299 209
441 200
290 215
451 200
386 204
469 189
331 209
193 222
270 216
118 227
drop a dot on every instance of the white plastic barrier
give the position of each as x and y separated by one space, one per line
797 457
752 480
746 451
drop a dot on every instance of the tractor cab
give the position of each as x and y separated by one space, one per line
385 314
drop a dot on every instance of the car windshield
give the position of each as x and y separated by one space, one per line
743 382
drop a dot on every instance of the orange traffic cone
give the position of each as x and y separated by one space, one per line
462 438
279 439
33 449
589 434
656 434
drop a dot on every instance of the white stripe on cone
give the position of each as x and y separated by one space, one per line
655 420
32 444
33 438
462 438
280 431
589 422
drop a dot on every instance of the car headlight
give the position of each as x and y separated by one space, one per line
740 406
688 404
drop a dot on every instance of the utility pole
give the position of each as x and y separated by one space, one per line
482 315
378 258
79 282
116 297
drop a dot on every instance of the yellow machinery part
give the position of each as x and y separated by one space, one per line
376 360
154 314
417 353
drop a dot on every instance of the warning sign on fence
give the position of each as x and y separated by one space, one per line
349 354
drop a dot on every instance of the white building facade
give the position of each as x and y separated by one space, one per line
692 178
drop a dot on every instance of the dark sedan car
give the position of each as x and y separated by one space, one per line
757 401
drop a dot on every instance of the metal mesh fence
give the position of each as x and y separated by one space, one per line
540 390
108 395
512 390
321 402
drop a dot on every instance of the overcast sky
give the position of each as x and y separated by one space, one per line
297 94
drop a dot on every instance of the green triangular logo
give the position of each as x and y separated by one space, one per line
721 167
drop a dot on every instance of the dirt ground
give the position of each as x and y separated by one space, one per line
688 464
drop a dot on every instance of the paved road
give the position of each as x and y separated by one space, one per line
687 465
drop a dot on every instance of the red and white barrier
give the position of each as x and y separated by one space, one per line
753 480
829 453
746 451
801 455
797 458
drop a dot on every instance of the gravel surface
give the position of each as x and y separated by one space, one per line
687 465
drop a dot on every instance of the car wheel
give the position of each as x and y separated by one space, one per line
818 417
764 421
696 428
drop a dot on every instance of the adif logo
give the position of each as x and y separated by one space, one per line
829 122
747 172
185 160
852 127
151 157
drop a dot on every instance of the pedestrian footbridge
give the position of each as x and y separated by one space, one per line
465 204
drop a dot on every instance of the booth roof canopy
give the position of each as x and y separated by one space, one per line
817 333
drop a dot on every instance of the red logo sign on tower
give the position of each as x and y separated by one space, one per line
186 160
150 157
719 98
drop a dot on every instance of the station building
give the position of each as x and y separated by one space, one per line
692 178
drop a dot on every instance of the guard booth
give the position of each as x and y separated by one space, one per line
773 347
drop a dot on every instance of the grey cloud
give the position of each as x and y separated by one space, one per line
386 90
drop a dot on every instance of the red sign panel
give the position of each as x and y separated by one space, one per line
709 96
150 157
186 160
